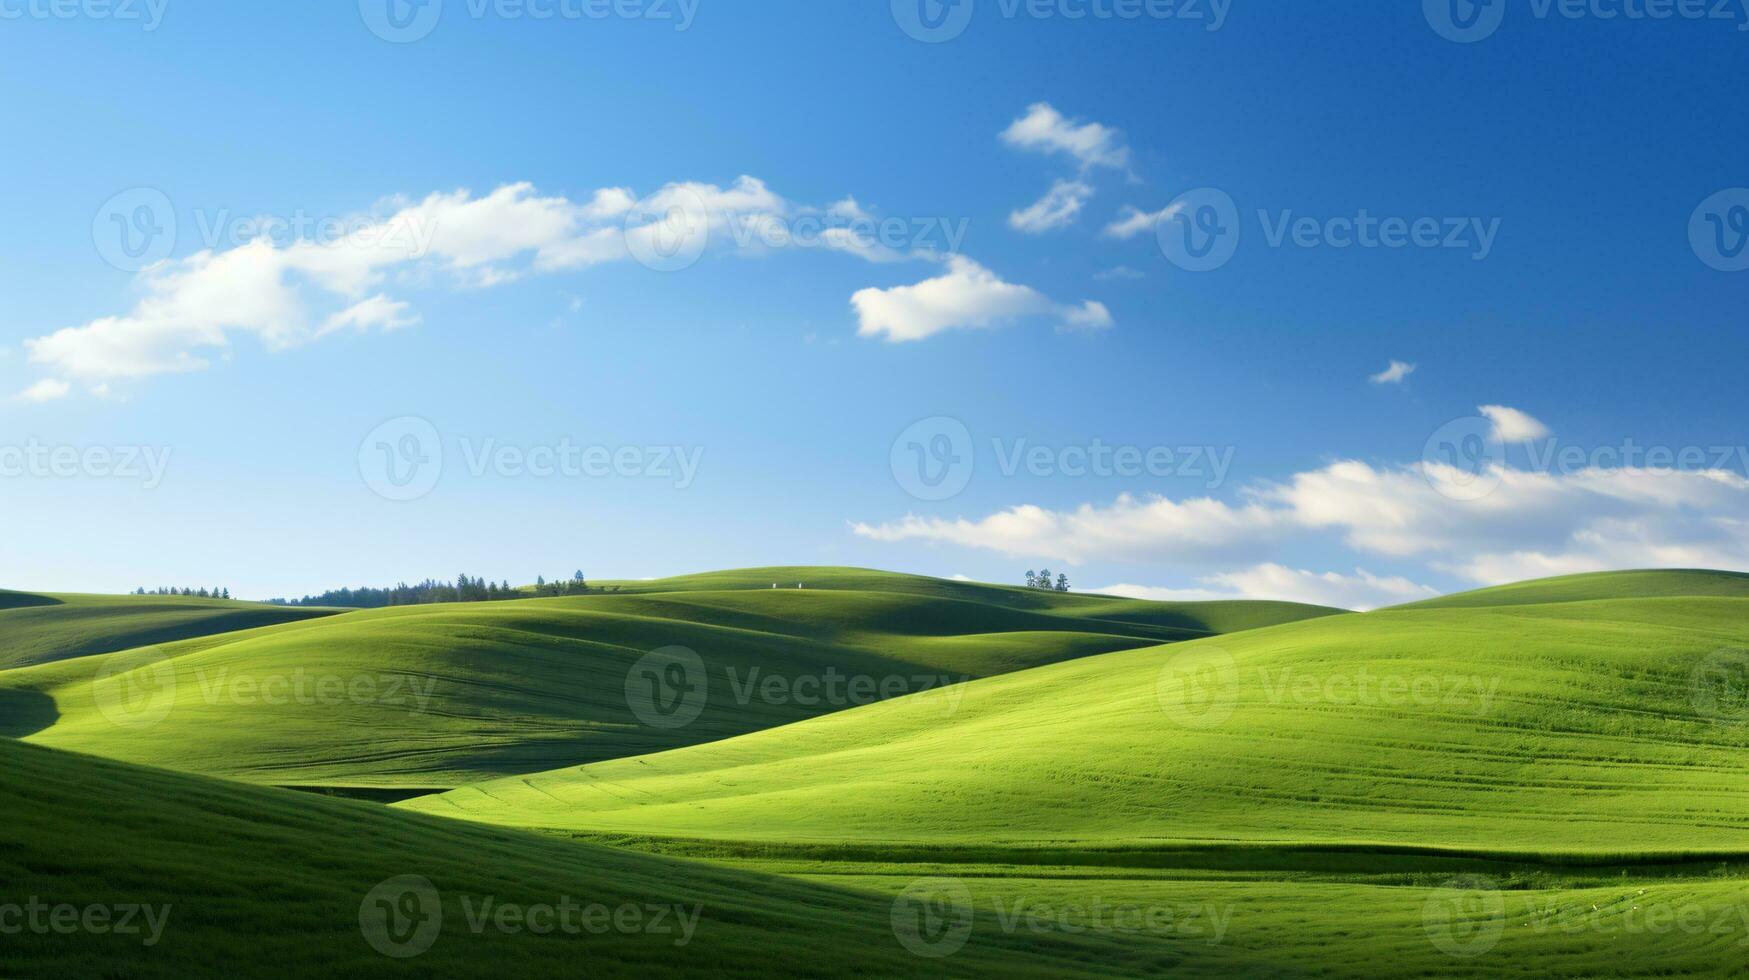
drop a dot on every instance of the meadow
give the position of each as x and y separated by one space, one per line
887 775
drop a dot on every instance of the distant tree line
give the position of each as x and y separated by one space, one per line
191 593
465 588
1042 580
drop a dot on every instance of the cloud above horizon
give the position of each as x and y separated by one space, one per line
190 310
1361 591
1042 129
1531 523
1394 374
1512 425
966 296
1058 208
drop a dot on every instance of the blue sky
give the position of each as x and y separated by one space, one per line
506 177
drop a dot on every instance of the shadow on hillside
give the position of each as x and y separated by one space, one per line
20 600
25 712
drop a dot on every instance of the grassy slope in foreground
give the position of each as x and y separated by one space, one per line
456 693
267 883
1561 727
37 629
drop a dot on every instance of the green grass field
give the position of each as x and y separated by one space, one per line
1546 779
425 697
47 628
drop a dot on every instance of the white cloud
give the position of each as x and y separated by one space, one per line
1045 130
848 210
1394 374
378 311
288 294
46 390
1361 591
1118 272
1533 523
967 295
1133 221
1057 208
1154 528
1512 425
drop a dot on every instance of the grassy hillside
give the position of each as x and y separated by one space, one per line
1612 726
253 882
37 629
1506 789
267 883
1598 585
426 697
1225 616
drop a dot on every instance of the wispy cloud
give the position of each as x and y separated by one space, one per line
1512 425
966 296
1060 206
1133 221
1045 130
1394 374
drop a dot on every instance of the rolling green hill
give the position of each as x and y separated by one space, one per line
426 697
1606 727
37 629
247 881
1551 782
1643 584
1219 616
